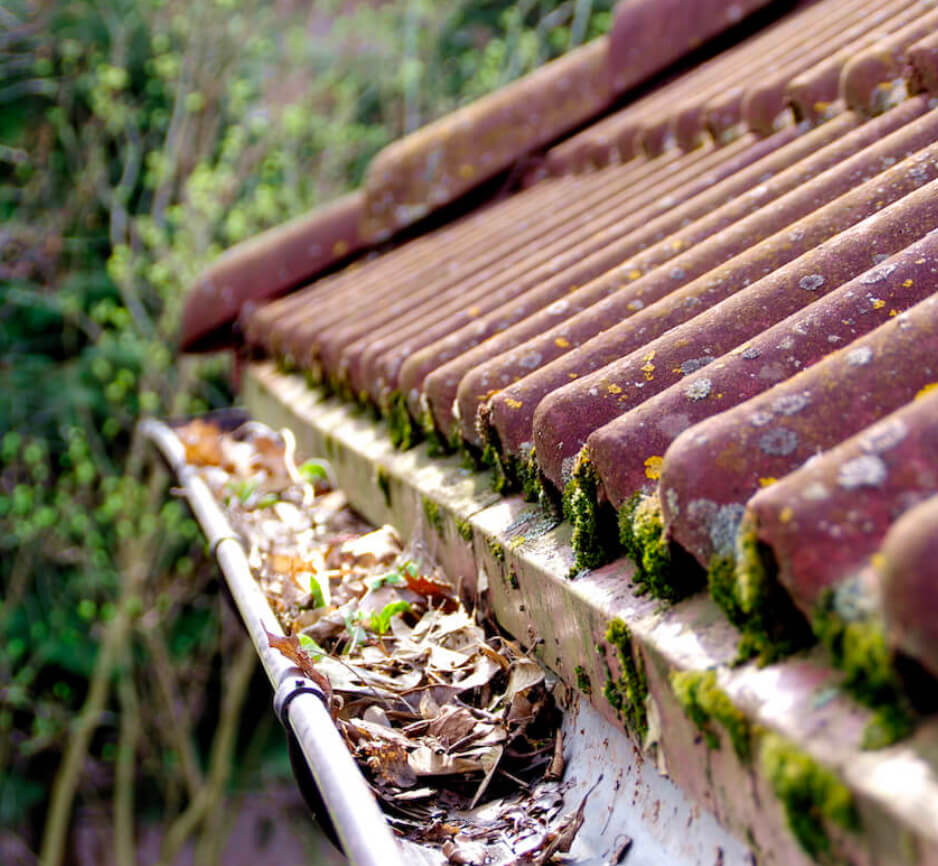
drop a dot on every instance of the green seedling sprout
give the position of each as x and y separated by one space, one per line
311 648
381 622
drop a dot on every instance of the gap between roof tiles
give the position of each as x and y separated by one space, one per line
522 559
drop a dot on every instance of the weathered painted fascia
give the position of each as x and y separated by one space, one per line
524 561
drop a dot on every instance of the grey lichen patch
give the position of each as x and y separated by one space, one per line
384 483
595 540
779 442
698 390
404 433
867 470
707 706
811 282
858 648
627 693
583 682
812 796
661 570
433 514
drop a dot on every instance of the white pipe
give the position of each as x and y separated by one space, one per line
359 823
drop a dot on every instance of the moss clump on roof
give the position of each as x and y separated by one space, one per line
628 693
595 540
433 513
660 571
529 477
384 484
859 649
810 794
404 433
705 702
744 587
583 681
464 529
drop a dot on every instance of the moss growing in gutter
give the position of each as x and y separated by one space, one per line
705 702
583 682
384 484
745 588
629 692
433 514
285 364
404 433
662 571
858 648
810 794
595 540
464 529
311 379
496 549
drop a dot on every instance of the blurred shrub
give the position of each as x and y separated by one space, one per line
139 138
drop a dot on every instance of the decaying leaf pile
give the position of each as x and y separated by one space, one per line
454 726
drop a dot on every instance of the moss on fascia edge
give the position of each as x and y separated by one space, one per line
433 513
661 570
583 681
404 433
858 648
496 549
464 529
384 484
811 795
628 693
285 364
595 540
743 585
705 702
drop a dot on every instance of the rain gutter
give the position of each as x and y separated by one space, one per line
362 832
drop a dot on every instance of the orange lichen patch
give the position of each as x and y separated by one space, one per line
513 404
653 467
786 515
878 303
614 389
562 343
634 274
926 390
907 283
768 481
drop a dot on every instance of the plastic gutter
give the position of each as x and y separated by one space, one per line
517 563
364 835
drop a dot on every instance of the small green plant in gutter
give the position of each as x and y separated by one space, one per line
464 529
313 471
433 513
858 648
380 622
404 433
627 693
595 541
384 484
705 702
583 682
810 794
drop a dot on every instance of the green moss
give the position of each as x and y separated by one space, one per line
496 549
504 479
464 529
810 794
745 588
628 692
285 364
433 514
583 682
330 447
661 570
859 649
529 477
404 433
705 704
310 377
512 579
595 540
384 484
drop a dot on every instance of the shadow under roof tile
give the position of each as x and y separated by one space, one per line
922 65
907 570
645 354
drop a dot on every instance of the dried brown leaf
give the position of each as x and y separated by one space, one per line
202 443
380 547
452 724
388 761
289 647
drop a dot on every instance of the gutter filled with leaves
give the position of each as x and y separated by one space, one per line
453 726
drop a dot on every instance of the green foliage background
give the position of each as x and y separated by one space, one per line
138 139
